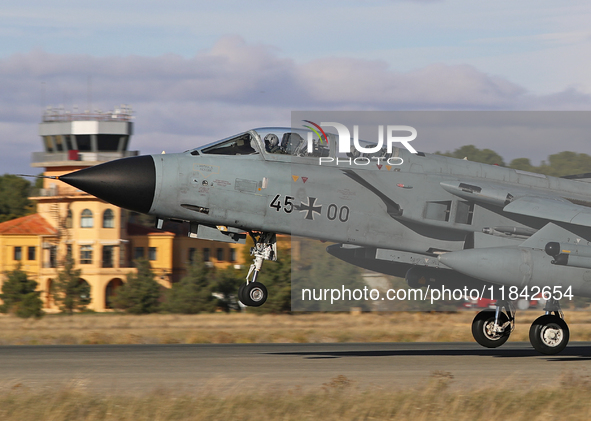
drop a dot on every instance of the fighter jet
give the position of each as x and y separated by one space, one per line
435 220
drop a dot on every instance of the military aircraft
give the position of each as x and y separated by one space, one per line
432 219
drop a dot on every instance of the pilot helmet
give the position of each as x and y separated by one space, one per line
271 140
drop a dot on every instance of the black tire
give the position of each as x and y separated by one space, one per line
254 294
240 293
482 329
549 334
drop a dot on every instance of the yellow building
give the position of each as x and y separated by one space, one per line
101 237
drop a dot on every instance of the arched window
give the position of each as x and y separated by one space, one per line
86 219
108 219
69 219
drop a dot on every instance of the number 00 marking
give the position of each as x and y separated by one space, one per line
333 210
344 214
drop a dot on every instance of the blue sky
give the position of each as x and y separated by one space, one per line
196 71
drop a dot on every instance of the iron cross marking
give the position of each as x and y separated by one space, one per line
310 208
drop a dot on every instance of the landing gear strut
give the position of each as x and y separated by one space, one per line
549 333
254 293
491 329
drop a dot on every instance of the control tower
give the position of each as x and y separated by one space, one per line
100 237
77 140
94 232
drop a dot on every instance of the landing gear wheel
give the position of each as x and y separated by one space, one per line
254 294
483 329
241 293
549 334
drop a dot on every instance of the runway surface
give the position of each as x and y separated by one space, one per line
236 367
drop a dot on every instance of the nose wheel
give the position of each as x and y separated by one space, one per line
254 293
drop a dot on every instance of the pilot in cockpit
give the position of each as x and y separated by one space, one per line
272 143
354 153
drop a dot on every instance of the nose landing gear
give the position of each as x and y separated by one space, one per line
254 293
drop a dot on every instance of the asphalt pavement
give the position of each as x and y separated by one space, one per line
238 367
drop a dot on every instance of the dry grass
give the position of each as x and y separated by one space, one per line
338 399
113 328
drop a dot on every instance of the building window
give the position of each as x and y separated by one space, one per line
232 255
32 253
48 143
85 255
69 219
69 250
108 253
152 253
206 255
138 253
86 220
219 254
52 256
108 219
122 255
18 253
192 254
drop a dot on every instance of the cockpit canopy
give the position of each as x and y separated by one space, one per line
277 143
236 145
294 142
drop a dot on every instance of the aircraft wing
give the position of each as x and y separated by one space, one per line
551 208
520 201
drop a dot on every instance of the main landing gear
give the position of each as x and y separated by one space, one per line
548 334
254 293
491 329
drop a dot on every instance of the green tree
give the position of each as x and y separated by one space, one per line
317 270
193 294
14 193
141 293
227 283
70 292
19 296
472 153
523 164
566 163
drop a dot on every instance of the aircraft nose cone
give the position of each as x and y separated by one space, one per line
128 183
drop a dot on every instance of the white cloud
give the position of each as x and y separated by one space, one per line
182 102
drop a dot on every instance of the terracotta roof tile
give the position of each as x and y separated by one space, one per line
28 225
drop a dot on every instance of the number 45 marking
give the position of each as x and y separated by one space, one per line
287 204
